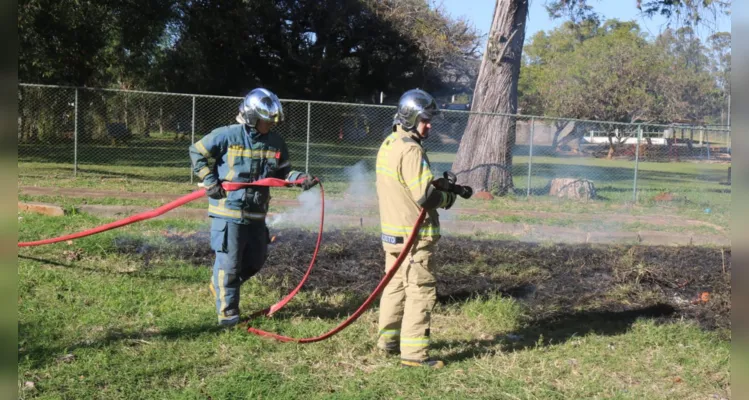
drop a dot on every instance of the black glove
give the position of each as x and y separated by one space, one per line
450 200
216 191
447 184
309 182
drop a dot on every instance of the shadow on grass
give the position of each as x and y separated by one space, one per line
556 330
332 312
352 302
32 350
139 273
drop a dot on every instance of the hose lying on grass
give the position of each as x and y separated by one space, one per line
229 186
353 317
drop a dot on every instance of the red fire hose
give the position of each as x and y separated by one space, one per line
271 182
367 302
230 186
272 309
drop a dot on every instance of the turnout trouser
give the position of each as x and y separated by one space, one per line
241 251
407 302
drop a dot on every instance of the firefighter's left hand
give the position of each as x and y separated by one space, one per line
309 182
450 200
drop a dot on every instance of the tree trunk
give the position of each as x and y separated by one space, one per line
576 133
558 129
484 159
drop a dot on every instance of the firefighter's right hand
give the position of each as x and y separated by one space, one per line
442 184
309 182
216 191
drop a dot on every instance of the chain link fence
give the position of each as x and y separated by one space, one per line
66 132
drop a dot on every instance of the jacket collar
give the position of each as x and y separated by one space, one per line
251 132
409 134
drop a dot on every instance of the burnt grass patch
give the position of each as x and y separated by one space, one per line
561 285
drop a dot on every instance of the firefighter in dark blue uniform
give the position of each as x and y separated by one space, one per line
243 152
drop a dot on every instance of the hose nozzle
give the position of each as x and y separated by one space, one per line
447 184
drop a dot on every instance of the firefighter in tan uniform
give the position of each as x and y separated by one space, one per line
404 187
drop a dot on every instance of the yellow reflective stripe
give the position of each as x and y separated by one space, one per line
445 199
390 332
221 294
395 230
382 168
269 154
388 172
415 342
230 174
250 153
238 151
238 214
203 172
408 228
201 148
422 232
224 211
425 176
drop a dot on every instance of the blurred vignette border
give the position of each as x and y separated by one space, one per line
740 277
9 227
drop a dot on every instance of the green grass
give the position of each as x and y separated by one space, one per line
96 323
162 166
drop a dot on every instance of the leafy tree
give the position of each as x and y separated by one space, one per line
484 159
720 47
93 43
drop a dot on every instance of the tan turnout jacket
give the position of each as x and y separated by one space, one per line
403 179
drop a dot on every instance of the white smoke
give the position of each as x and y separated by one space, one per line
361 183
360 192
307 213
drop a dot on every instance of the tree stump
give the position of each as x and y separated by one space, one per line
579 189
483 196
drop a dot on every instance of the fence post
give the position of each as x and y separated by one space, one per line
75 136
530 157
637 163
728 140
707 143
306 163
192 137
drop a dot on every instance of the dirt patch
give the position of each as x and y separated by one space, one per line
343 205
483 196
550 280
664 197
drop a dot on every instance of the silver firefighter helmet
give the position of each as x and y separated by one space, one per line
260 104
414 105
